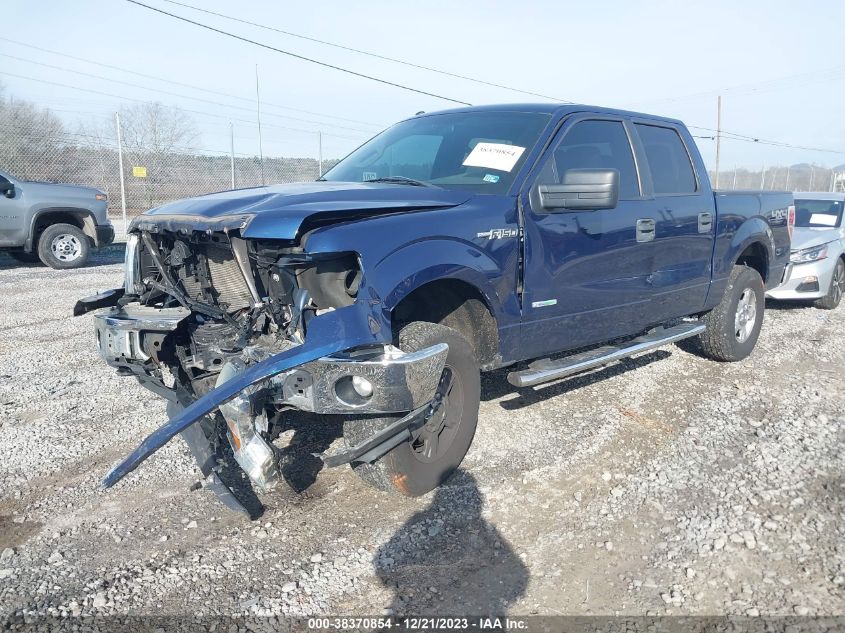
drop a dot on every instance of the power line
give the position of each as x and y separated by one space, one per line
762 141
297 56
760 86
368 53
184 85
176 94
200 112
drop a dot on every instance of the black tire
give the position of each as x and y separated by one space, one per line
730 337
836 290
63 246
407 469
24 257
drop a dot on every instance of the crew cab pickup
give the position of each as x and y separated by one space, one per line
56 223
547 239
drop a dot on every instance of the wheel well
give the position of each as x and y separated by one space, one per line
456 304
755 256
79 218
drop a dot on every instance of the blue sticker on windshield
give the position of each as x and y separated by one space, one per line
491 178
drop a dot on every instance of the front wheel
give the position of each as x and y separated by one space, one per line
418 466
733 326
63 246
836 290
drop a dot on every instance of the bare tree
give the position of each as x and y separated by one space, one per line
33 140
153 135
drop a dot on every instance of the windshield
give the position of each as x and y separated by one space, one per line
479 151
818 213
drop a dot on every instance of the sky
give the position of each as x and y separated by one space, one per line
778 65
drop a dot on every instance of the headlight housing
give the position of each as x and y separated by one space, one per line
132 266
812 254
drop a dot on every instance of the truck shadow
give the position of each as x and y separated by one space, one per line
315 434
447 559
109 256
311 434
495 385
781 305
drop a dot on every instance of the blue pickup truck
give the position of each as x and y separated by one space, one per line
548 239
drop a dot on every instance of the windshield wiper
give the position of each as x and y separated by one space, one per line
402 180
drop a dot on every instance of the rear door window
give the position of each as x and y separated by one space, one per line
668 159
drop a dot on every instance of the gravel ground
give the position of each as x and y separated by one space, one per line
664 485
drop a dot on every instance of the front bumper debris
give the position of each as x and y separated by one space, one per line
399 382
131 332
315 376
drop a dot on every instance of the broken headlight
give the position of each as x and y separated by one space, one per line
132 281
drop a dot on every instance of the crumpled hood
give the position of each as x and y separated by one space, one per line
806 237
278 211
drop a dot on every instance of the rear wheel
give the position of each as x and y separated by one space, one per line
836 290
734 325
63 246
416 467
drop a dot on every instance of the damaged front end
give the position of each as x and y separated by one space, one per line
237 332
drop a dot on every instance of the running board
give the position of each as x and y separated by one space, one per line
541 371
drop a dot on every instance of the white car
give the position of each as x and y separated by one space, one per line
816 269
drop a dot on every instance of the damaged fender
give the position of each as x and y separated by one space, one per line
363 323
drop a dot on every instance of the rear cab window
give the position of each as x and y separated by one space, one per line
671 169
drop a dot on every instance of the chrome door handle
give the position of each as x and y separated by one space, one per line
645 230
705 222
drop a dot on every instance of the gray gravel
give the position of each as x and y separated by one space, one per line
666 484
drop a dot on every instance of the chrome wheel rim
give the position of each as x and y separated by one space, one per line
746 315
66 247
838 282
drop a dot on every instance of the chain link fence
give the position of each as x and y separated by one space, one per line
151 177
154 176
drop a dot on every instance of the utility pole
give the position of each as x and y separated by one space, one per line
812 176
734 187
258 111
120 167
232 147
788 169
718 136
320 152
763 178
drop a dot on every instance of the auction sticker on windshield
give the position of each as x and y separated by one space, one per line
494 156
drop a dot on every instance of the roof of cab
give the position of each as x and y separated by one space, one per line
556 109
819 195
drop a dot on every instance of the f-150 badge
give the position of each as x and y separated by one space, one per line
497 234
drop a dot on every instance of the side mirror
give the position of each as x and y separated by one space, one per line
7 189
582 189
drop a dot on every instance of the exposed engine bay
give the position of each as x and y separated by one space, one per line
209 317
243 296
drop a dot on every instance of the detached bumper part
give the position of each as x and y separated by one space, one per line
253 454
105 299
122 333
384 382
395 382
